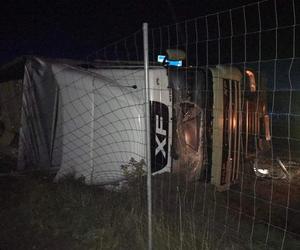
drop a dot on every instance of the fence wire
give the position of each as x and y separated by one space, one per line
225 140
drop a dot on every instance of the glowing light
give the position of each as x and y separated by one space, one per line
234 122
263 171
252 80
162 59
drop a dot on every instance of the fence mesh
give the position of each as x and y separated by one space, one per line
225 141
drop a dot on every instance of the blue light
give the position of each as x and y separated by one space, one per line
162 59
175 63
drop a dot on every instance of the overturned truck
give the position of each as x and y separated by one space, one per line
88 120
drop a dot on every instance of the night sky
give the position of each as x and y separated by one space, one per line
75 29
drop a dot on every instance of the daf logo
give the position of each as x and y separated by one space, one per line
160 131
159 120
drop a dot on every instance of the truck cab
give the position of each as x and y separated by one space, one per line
212 110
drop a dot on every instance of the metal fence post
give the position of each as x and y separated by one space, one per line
148 132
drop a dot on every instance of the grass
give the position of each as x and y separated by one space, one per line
39 214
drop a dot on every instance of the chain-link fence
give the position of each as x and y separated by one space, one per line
224 141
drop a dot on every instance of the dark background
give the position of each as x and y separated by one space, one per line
75 29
